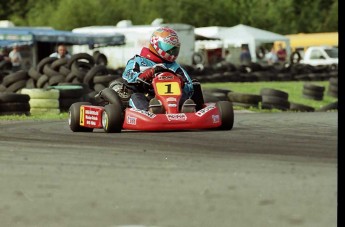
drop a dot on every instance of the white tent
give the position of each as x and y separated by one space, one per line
242 34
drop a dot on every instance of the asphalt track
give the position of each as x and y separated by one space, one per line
271 169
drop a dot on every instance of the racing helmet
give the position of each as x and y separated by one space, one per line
165 43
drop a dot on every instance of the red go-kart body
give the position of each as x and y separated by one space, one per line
167 88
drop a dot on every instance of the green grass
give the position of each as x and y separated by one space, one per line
294 89
36 117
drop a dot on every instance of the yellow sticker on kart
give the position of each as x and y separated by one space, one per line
168 88
82 111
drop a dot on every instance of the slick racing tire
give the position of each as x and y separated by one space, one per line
74 117
112 97
112 118
226 113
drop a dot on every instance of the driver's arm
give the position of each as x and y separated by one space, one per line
132 70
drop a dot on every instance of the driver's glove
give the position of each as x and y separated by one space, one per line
149 73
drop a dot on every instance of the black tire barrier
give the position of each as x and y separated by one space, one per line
274 99
16 86
43 62
80 69
14 108
47 70
100 59
280 106
96 70
64 70
313 91
298 107
80 56
14 104
96 77
30 83
221 94
14 77
245 100
58 63
274 92
329 107
14 97
34 74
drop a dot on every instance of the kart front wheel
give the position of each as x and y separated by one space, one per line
112 118
74 117
226 112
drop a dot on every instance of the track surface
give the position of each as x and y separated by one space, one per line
272 169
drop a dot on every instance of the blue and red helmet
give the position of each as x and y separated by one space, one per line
165 43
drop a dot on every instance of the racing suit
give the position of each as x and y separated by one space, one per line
136 65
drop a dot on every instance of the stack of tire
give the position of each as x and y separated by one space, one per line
43 101
99 78
313 91
299 107
245 100
100 58
216 94
5 69
69 94
274 99
14 104
15 81
333 87
80 68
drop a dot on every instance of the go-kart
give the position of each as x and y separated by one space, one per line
113 116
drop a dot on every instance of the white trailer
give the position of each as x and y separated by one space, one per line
136 37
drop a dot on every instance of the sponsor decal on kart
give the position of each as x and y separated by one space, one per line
161 77
171 99
215 119
131 120
176 117
143 112
205 110
172 104
89 116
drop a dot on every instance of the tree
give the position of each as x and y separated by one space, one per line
283 16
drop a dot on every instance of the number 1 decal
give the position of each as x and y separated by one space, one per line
168 88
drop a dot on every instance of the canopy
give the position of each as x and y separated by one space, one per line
242 34
29 35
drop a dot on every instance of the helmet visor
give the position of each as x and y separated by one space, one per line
168 48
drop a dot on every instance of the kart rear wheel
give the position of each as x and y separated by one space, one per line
74 117
112 118
226 112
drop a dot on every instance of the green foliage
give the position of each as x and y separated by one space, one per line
283 16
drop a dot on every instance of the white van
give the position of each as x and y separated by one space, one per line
136 37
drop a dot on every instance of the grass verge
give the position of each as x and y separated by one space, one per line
293 88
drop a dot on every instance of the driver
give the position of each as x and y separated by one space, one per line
161 54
